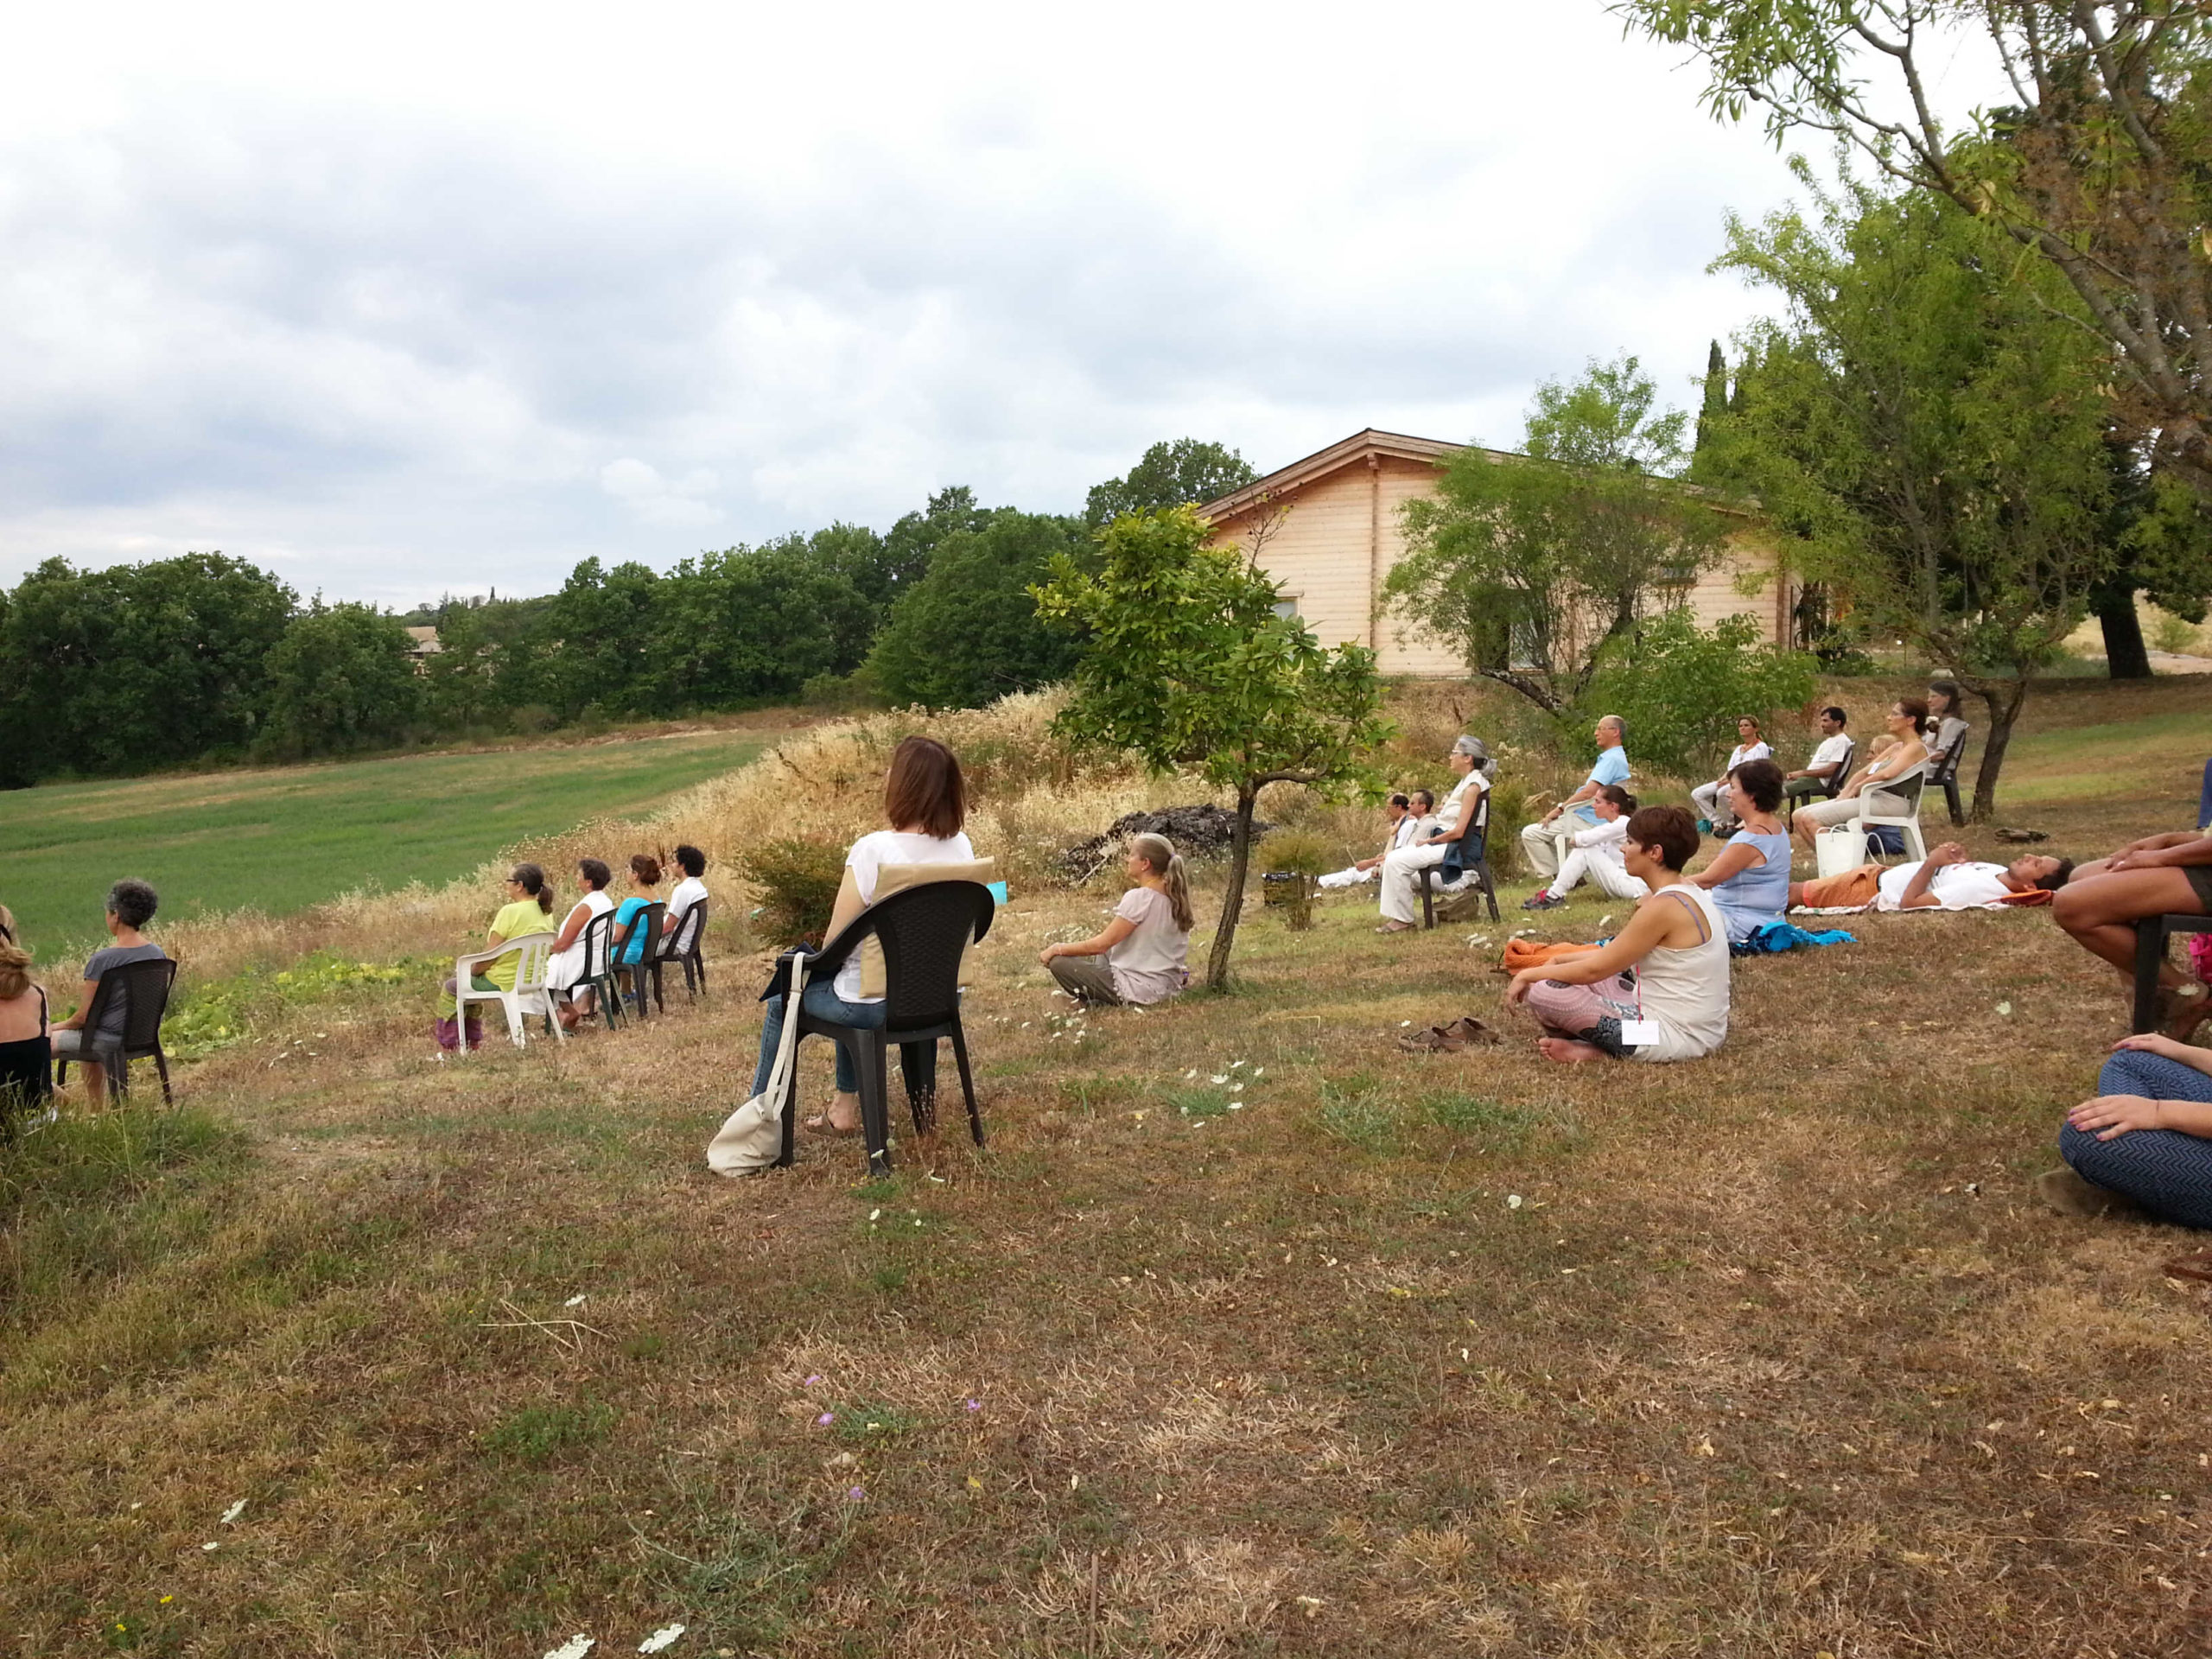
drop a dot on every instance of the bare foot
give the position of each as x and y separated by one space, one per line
2184 1014
1567 1052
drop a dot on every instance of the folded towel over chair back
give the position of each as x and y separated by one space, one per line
896 878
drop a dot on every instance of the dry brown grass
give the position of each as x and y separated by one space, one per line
1778 1355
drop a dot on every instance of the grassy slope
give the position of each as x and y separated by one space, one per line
284 838
1778 1355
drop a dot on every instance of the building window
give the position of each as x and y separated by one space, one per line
1286 608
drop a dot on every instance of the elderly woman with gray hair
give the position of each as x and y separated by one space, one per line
1402 868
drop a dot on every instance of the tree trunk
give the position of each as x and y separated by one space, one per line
1232 902
2004 700
2126 658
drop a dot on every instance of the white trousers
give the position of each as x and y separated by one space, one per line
1609 875
1544 844
1707 796
1401 881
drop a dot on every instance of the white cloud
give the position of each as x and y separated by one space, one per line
442 298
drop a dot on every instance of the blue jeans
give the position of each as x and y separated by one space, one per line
821 1000
2167 1172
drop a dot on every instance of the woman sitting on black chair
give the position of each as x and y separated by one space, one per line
925 803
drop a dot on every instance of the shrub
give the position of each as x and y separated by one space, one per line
1680 689
1303 856
1509 812
798 879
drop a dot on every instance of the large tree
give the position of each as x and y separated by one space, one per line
969 633
1185 662
2101 164
342 677
136 666
1187 472
1931 428
1533 566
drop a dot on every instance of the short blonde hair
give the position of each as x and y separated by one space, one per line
14 972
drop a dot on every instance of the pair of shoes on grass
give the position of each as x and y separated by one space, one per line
1544 899
1462 1032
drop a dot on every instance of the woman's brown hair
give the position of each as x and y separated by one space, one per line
14 972
1917 708
1671 829
596 874
923 789
530 877
645 867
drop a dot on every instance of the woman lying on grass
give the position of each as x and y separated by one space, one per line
1146 947
2146 1142
1676 1007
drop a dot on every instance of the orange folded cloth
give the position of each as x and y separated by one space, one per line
2031 898
1527 953
1848 891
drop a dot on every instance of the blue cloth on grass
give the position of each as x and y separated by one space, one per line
1771 938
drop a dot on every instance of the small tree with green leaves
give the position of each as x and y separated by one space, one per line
1184 472
1186 664
1681 689
1533 567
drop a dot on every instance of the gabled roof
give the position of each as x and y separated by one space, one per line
1358 447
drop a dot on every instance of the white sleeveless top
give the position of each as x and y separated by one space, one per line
1685 991
568 967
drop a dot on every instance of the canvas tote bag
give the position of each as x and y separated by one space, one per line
895 878
751 1137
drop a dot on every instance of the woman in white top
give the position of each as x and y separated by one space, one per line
925 803
1676 1007
1146 948
1402 868
1750 745
1949 726
566 966
1875 782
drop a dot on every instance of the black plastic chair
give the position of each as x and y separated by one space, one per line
1944 773
1456 862
144 988
1822 788
647 921
923 930
599 974
685 947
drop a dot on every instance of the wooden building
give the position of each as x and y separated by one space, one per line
1331 549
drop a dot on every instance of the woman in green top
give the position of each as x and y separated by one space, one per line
529 909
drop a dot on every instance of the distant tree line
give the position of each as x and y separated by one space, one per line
207 659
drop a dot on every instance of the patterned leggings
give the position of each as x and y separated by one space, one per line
1587 1014
2167 1172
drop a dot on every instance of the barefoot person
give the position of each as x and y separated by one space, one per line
2144 1141
1945 880
925 802
2169 875
1676 1007
1141 957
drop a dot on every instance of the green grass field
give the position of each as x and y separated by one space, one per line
284 838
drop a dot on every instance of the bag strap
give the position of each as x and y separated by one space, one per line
787 1039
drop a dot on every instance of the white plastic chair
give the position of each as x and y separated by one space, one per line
1913 786
533 954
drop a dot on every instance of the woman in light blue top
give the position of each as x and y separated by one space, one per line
645 878
1749 881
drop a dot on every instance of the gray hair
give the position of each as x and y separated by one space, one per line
1620 725
1477 751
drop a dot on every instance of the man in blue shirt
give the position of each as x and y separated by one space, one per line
1540 841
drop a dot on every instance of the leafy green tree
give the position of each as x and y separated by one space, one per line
1185 662
597 633
1184 472
746 625
1713 409
1534 568
342 677
1927 420
2099 164
459 685
1681 688
967 634
136 666
908 545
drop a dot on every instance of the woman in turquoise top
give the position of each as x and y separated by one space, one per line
645 877
1749 881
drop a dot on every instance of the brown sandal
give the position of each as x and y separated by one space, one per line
2196 1265
1469 1030
1435 1040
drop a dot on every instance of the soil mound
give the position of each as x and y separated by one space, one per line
1197 831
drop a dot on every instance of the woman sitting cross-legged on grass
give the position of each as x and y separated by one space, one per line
1676 1008
2146 1142
1146 948
26 1053
566 971
529 910
1749 881
925 803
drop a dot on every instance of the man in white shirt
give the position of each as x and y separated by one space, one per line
1596 853
690 890
1945 880
1412 817
1818 776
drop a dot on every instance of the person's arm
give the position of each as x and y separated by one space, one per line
2156 1042
1587 792
571 926
1917 894
1898 761
1097 946
1736 857
2185 853
2110 1117
1645 932
76 1022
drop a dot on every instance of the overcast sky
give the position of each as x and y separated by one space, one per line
447 298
